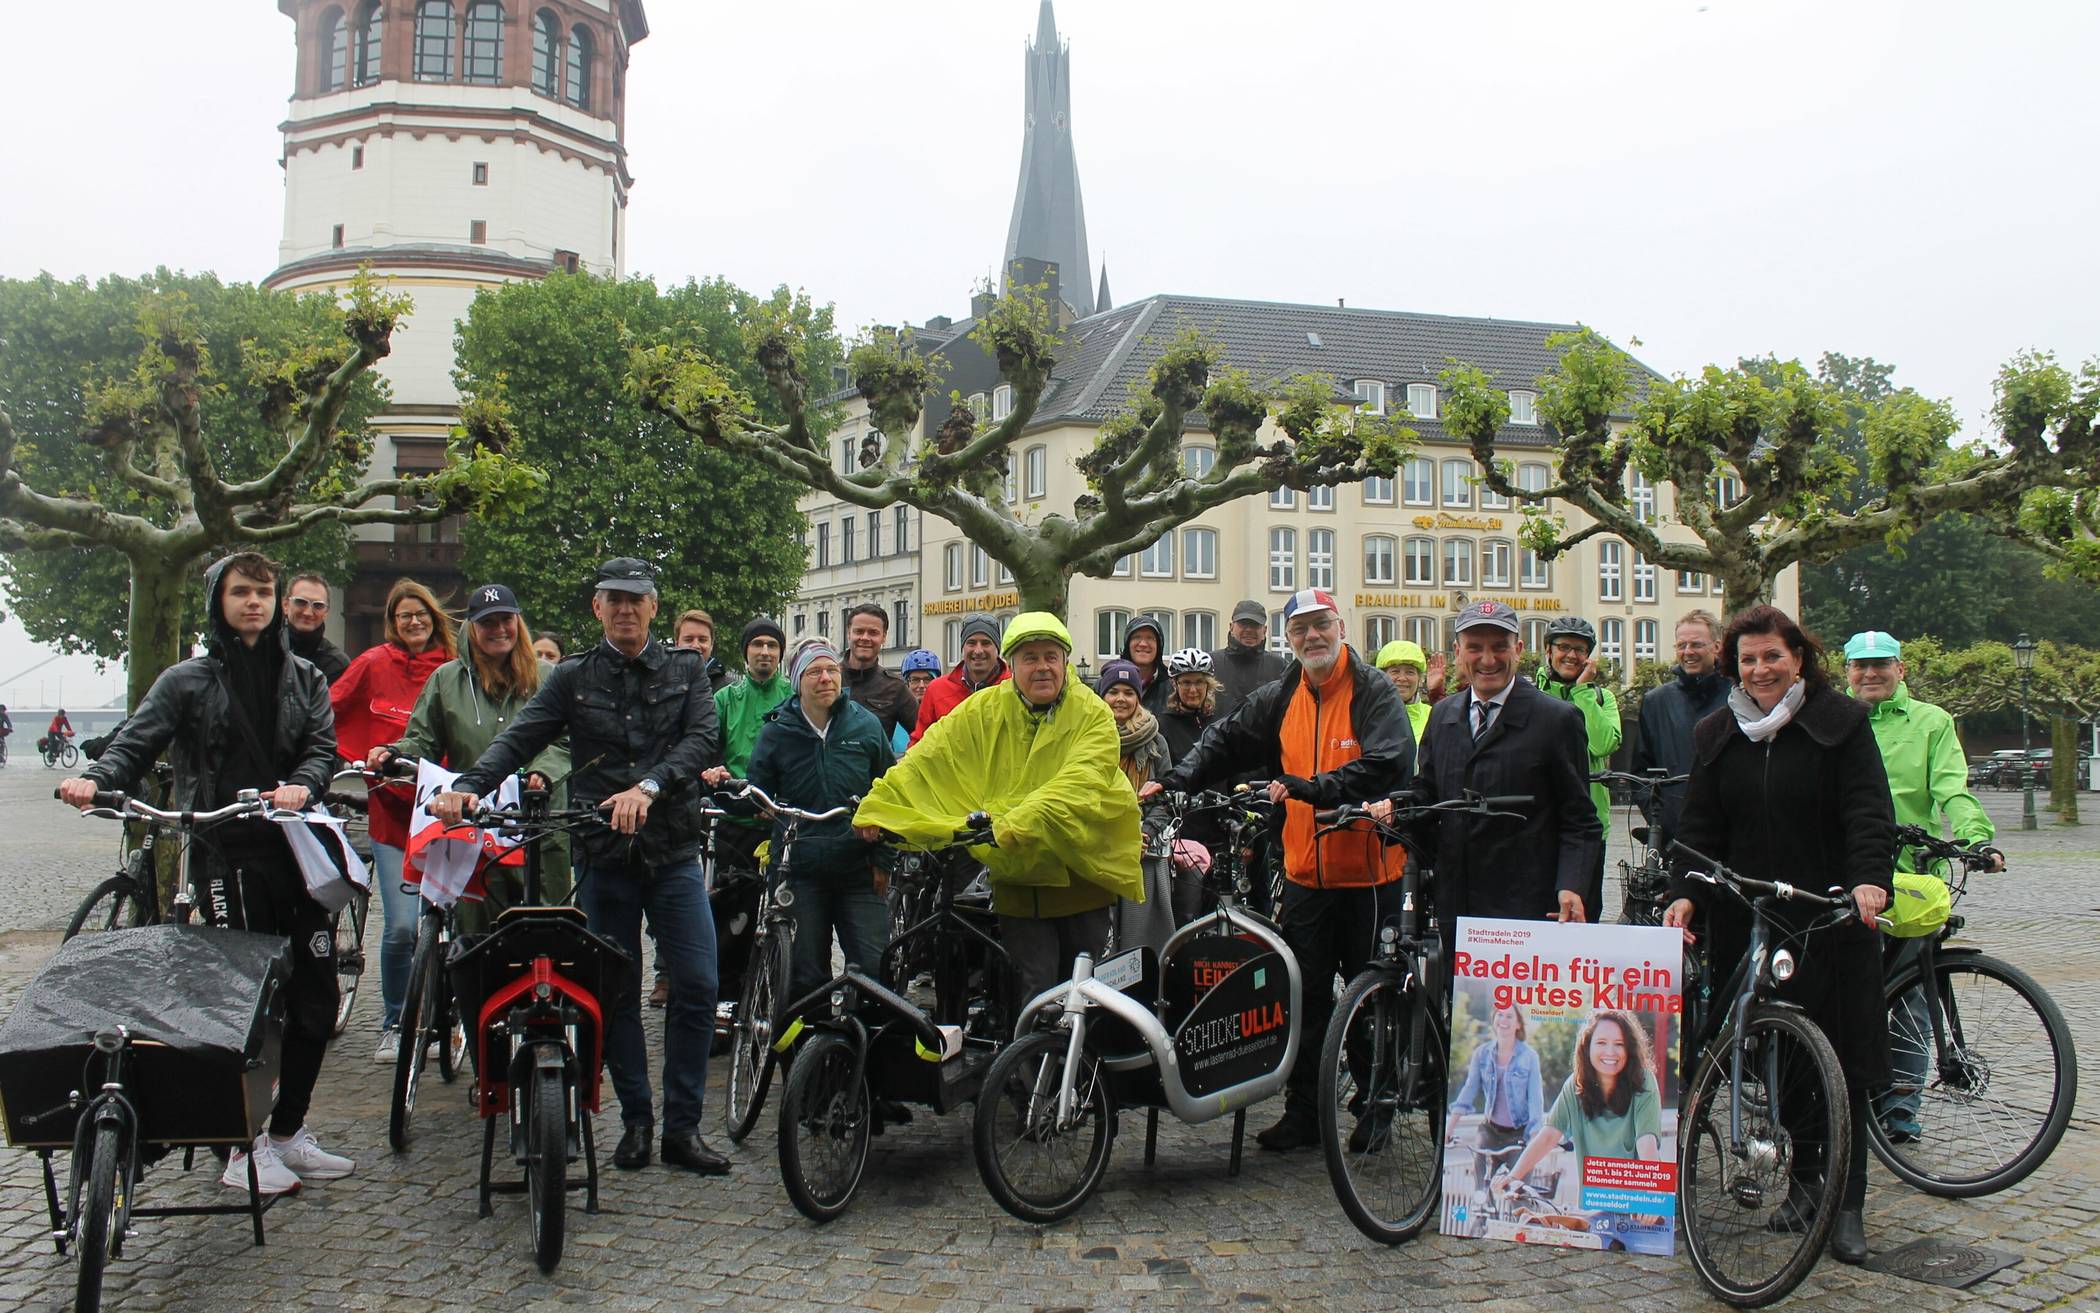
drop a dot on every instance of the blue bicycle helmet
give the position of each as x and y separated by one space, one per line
921 659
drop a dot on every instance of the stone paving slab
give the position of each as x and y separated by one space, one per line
923 1236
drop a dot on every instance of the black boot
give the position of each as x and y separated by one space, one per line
691 1152
1297 1130
633 1151
1848 1240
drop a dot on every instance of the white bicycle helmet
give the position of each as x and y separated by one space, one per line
1188 661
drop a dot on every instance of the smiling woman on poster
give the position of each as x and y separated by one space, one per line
1609 1106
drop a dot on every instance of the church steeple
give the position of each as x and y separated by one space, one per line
1049 222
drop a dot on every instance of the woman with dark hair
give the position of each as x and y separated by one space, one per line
463 707
547 646
1788 784
1609 1106
373 700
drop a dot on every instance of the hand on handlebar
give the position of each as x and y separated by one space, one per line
289 797
450 805
630 810
1290 786
1871 900
77 792
715 776
378 757
1380 810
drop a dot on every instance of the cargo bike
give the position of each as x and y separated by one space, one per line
131 1044
535 993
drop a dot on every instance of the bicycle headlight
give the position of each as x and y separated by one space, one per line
1388 935
838 1000
1783 965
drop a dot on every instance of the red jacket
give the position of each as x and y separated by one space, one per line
945 694
373 700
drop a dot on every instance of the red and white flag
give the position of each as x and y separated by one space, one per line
448 860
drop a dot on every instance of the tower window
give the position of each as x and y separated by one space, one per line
357 157
579 70
336 240
481 174
478 232
484 41
335 51
364 58
546 48
434 41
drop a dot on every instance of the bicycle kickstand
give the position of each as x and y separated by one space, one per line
1239 1140
1151 1133
488 1159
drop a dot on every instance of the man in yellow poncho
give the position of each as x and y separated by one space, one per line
1039 755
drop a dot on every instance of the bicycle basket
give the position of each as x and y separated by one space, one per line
1920 906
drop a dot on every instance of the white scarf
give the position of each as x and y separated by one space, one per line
1757 724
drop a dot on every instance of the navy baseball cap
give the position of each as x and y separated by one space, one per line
1496 615
492 599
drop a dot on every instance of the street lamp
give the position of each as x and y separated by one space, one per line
2023 657
1086 672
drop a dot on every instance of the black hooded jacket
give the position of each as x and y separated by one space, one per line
188 713
1668 714
329 659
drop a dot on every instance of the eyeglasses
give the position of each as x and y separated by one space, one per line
411 617
304 604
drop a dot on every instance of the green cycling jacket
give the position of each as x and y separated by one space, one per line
1928 774
1600 721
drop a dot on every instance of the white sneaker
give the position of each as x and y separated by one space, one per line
271 1175
389 1047
305 1156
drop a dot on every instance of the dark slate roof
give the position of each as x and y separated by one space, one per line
1105 353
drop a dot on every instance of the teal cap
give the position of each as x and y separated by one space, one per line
1872 645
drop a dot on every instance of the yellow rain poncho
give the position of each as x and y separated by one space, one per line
1065 817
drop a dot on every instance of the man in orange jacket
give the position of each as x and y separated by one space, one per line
1330 730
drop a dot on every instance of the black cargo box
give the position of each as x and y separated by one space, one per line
205 1012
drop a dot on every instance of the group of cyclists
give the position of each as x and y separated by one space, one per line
56 736
645 731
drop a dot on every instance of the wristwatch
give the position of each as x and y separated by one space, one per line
650 788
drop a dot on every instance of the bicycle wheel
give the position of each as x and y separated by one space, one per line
118 903
1382 1109
547 1164
824 1120
415 1041
765 988
449 1034
1756 1221
69 756
348 927
1994 1109
96 1233
1039 1168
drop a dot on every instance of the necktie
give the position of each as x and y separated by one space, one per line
1483 712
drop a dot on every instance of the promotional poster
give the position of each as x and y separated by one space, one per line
1562 1127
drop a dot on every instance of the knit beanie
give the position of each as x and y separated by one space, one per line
761 626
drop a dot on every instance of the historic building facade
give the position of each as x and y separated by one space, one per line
451 145
1402 554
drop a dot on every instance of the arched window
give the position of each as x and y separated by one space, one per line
335 51
579 90
433 62
484 41
370 34
546 55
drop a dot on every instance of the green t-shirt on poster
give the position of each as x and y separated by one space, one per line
1606 1136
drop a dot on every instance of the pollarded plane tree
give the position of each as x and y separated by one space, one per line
1137 487
149 486
1755 459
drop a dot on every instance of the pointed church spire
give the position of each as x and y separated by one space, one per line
1101 301
1049 222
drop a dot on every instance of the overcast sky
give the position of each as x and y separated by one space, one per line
1911 182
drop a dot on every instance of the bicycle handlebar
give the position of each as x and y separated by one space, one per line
1977 857
1720 874
112 805
1651 781
765 800
1493 806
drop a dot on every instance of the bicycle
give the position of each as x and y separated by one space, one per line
860 1046
1206 1027
1994 1058
753 1024
430 1016
58 750
1644 877
1382 1060
534 987
347 924
1765 1131
150 1090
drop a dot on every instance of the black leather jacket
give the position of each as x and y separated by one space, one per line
652 717
187 713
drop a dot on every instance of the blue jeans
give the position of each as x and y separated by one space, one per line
1911 1052
614 895
861 918
397 946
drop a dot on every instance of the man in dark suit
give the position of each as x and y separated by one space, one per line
1503 737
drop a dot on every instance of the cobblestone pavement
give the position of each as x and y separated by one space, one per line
924 1235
